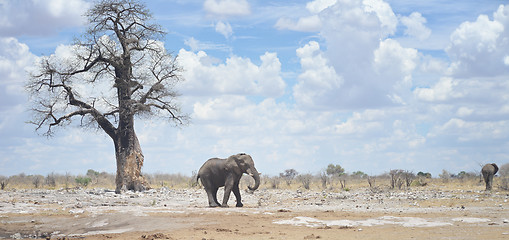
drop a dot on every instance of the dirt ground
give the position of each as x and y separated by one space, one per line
267 214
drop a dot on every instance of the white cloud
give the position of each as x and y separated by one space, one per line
393 60
224 28
304 24
360 68
227 8
461 130
197 45
318 80
361 124
350 11
311 23
442 91
383 10
464 112
15 61
415 26
317 6
34 17
236 76
193 44
481 41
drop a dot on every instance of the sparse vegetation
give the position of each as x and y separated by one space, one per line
50 180
445 176
37 180
3 182
288 175
324 178
305 179
397 179
504 175
83 181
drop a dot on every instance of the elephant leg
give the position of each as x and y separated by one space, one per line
211 194
487 181
215 197
489 184
236 191
228 187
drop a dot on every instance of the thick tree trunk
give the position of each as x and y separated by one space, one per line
127 147
129 164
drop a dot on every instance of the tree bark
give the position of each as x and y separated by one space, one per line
129 163
127 147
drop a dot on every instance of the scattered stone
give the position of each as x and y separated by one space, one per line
312 236
155 236
16 236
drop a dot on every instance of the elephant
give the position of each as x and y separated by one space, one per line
217 172
488 171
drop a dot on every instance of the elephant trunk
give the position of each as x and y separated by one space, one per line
256 176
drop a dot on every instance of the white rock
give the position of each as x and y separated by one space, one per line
16 236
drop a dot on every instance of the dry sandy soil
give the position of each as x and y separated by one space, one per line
267 214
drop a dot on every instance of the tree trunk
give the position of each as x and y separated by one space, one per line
129 164
127 147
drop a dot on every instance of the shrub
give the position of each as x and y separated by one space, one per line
335 170
3 182
289 175
37 180
51 180
423 174
445 176
305 179
324 178
83 181
504 174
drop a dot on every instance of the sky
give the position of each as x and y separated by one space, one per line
370 85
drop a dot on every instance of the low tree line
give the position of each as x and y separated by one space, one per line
336 176
92 178
332 177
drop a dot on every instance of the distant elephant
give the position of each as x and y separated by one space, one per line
217 172
488 171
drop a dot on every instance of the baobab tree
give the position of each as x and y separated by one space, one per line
117 70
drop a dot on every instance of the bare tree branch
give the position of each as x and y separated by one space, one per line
118 70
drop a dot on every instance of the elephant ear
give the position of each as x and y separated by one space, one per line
232 164
496 168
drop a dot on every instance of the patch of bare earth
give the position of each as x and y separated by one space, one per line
267 214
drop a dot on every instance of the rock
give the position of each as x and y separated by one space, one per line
16 236
506 221
76 211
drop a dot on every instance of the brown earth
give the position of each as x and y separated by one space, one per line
267 214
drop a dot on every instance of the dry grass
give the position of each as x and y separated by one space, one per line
308 182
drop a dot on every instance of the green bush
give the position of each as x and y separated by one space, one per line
83 181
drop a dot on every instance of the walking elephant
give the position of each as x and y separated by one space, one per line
217 172
488 171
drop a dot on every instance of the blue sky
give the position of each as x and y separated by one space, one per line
371 85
